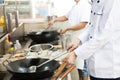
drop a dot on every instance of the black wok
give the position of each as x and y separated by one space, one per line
20 68
44 37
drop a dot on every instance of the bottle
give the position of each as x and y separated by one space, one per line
8 46
17 46
11 49
2 24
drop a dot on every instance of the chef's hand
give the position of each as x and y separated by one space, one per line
70 58
73 45
62 31
51 22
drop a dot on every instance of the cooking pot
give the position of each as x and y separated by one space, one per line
44 36
20 68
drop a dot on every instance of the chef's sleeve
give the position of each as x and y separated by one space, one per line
109 33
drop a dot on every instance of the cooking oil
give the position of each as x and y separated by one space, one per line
2 24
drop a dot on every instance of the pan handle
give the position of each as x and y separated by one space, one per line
66 72
5 64
59 71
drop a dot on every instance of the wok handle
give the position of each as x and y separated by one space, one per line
5 62
59 71
66 72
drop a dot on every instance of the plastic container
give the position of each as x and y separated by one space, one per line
17 46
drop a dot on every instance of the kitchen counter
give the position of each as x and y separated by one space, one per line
32 20
45 54
72 76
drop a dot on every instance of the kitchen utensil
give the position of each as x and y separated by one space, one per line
42 30
19 68
34 68
44 37
59 71
61 77
40 47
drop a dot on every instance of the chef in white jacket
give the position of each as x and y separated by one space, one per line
77 18
100 42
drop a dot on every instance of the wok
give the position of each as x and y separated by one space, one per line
20 68
40 47
44 37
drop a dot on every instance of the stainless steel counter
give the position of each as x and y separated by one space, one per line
44 54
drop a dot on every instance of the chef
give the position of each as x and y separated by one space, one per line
77 18
100 42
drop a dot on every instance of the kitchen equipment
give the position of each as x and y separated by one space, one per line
10 22
44 37
34 67
42 30
40 47
61 77
59 71
62 70
16 13
20 68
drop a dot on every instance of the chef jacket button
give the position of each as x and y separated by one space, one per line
90 37
98 1
89 23
94 13
91 11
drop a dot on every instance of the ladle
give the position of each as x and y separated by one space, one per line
34 68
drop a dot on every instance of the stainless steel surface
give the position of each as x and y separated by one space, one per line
16 13
18 33
2 49
51 55
9 22
40 47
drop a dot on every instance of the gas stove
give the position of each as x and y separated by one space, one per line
9 76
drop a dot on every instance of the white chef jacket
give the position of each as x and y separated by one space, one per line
79 13
101 40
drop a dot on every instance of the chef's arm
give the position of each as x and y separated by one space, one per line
108 34
79 26
60 19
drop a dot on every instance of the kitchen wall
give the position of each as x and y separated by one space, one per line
63 6
59 6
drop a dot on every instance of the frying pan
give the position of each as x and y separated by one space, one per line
20 68
44 36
